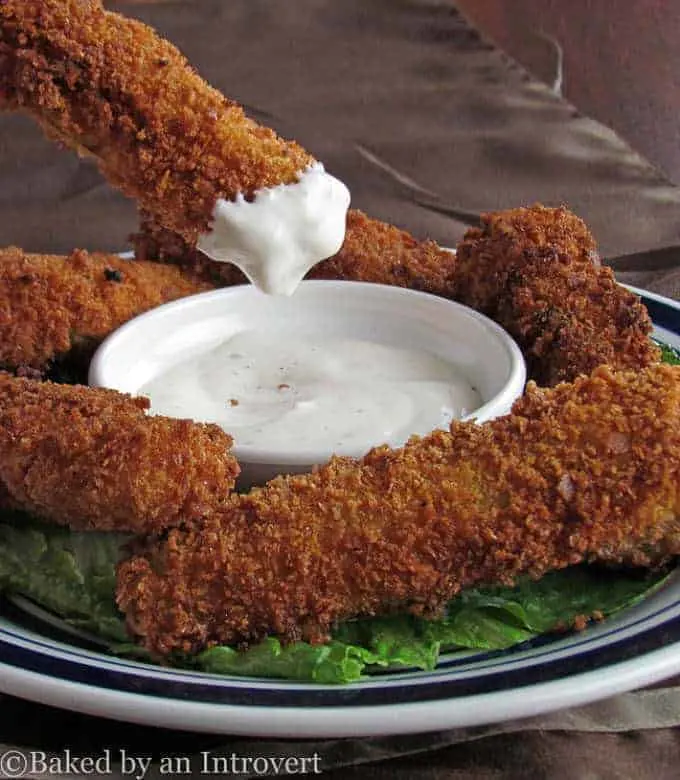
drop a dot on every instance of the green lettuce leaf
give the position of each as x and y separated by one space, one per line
669 354
334 662
69 573
497 617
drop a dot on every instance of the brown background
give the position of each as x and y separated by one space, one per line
621 61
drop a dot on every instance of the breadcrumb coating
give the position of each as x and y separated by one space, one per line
92 459
536 272
50 305
583 472
372 251
110 87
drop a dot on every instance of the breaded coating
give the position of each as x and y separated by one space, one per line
154 243
92 459
51 305
372 251
110 87
536 272
588 471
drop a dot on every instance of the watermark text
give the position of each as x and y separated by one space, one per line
31 763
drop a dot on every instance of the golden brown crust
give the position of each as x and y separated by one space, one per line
51 304
588 471
92 459
536 272
109 86
372 251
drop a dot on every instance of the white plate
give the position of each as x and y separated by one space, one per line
638 647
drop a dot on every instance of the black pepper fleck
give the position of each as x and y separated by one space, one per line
112 275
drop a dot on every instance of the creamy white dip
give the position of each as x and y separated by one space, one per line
283 232
309 395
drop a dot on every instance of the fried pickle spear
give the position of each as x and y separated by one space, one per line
536 272
110 87
373 251
588 471
52 306
92 459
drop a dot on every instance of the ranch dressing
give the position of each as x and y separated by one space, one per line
283 232
286 395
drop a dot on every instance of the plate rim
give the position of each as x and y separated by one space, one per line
341 722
